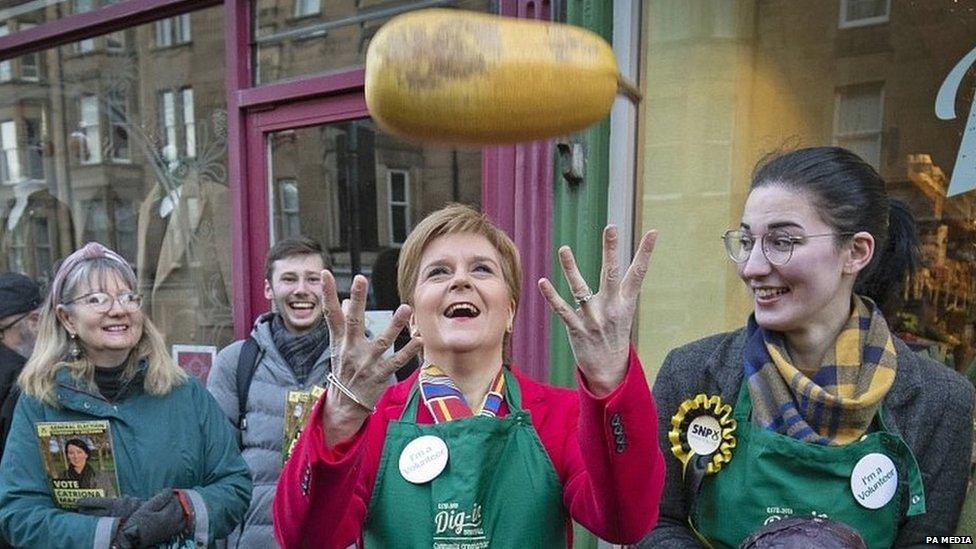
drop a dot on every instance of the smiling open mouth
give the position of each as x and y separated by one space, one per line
766 293
462 310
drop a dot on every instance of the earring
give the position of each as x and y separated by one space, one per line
74 350
414 331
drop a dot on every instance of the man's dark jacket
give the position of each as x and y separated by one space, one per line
11 363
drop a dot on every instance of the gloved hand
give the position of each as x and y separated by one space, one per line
121 507
157 520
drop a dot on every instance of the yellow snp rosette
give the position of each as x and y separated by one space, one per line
703 426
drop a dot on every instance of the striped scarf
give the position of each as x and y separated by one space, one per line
445 401
834 404
300 351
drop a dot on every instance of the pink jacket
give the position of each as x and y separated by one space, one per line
605 452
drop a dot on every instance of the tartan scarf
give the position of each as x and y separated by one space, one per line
834 404
302 351
445 401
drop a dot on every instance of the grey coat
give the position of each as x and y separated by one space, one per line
929 405
265 413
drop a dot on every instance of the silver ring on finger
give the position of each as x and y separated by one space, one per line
581 300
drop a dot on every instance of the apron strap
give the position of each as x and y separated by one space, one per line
743 403
513 395
916 489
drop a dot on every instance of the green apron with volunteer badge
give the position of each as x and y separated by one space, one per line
498 489
773 476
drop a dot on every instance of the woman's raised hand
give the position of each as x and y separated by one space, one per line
358 362
599 329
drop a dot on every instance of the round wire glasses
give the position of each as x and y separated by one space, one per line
777 246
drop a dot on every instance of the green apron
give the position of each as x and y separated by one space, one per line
499 488
773 476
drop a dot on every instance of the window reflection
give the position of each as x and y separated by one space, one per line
359 191
124 143
300 37
734 80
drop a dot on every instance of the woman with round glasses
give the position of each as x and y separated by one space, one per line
98 358
814 408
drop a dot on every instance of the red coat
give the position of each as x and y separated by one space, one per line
605 452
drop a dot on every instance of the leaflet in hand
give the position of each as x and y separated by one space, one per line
298 407
78 459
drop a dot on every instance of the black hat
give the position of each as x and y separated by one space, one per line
18 294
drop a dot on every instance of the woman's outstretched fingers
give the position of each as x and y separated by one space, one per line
356 310
559 305
403 356
331 307
610 272
577 285
631 284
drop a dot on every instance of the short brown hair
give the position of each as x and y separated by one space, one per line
290 247
456 219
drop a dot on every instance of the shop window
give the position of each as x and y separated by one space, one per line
858 112
793 80
118 126
304 8
860 13
173 31
9 162
6 72
398 183
87 138
169 219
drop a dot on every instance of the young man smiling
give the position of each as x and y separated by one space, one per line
284 359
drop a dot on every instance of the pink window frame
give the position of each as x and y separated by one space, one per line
516 179
312 112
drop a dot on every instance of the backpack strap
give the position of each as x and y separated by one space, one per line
247 364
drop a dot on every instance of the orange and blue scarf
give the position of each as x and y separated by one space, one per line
445 401
834 404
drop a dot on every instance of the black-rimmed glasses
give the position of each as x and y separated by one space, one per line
777 246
